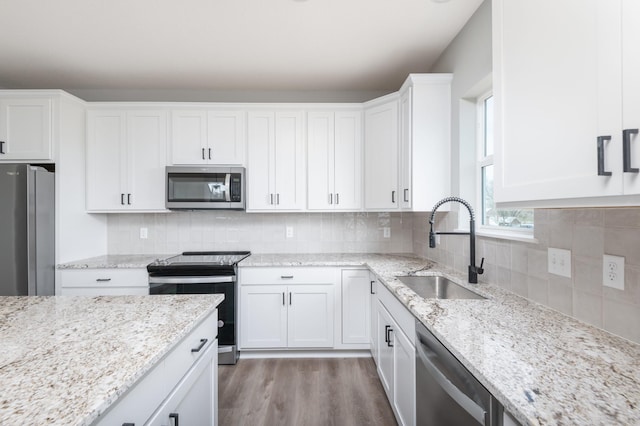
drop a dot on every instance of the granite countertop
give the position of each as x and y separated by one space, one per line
65 360
544 367
111 261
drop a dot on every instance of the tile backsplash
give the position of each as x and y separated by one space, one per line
522 267
176 232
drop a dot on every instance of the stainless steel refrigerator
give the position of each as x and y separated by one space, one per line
27 229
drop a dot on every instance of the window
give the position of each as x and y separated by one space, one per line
492 218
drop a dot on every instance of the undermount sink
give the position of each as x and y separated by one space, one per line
437 287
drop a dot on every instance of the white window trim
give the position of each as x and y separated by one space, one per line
524 235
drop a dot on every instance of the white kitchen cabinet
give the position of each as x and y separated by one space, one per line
104 282
381 153
184 382
396 355
334 160
280 316
356 310
126 158
289 307
26 128
556 92
275 161
208 137
373 326
424 141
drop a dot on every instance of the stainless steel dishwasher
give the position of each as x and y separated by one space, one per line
446 392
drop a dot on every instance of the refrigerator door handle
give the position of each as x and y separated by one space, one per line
2 147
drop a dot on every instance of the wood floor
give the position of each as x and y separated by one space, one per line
302 392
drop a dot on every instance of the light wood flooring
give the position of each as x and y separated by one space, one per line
302 392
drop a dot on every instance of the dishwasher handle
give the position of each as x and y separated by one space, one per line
474 410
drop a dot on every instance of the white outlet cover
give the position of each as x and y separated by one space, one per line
289 231
613 271
559 262
144 233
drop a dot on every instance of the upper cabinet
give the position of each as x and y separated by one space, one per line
567 102
208 137
275 161
424 141
126 158
26 128
334 160
381 153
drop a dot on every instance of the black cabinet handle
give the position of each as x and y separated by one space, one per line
103 280
406 193
337 198
626 150
175 418
386 333
289 298
371 288
122 199
393 196
278 199
128 424
286 277
129 199
209 153
389 331
270 198
330 198
601 141
2 147
203 154
202 343
283 301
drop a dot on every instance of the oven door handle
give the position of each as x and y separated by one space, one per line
191 280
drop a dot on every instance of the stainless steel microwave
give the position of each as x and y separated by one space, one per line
211 187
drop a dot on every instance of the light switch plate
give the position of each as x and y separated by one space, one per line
613 271
289 231
386 232
144 233
559 262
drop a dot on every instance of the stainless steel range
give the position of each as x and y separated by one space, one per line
204 272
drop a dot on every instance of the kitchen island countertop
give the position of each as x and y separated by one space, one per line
65 360
544 367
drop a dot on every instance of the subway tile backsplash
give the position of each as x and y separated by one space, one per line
176 232
522 267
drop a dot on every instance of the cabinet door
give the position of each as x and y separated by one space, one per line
225 136
385 349
146 159
192 401
631 86
381 157
320 164
373 329
405 143
347 157
263 316
404 378
553 96
25 129
310 316
260 161
356 311
106 160
189 137
289 168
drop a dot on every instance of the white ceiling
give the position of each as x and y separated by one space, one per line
288 45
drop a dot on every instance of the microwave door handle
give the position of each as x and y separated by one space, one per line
227 186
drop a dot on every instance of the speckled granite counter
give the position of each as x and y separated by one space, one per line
124 261
544 367
64 360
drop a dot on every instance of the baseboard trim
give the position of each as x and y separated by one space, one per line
255 354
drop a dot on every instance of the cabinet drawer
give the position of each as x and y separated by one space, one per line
104 278
185 354
287 275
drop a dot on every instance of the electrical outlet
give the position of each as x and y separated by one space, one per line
613 271
144 233
289 231
559 262
386 232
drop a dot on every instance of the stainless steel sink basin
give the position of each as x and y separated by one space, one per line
437 287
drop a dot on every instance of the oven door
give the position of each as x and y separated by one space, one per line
226 285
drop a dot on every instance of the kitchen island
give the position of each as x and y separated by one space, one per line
68 360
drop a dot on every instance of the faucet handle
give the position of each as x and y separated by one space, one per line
480 270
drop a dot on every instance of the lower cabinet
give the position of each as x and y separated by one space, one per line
356 311
182 387
396 356
104 282
286 316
